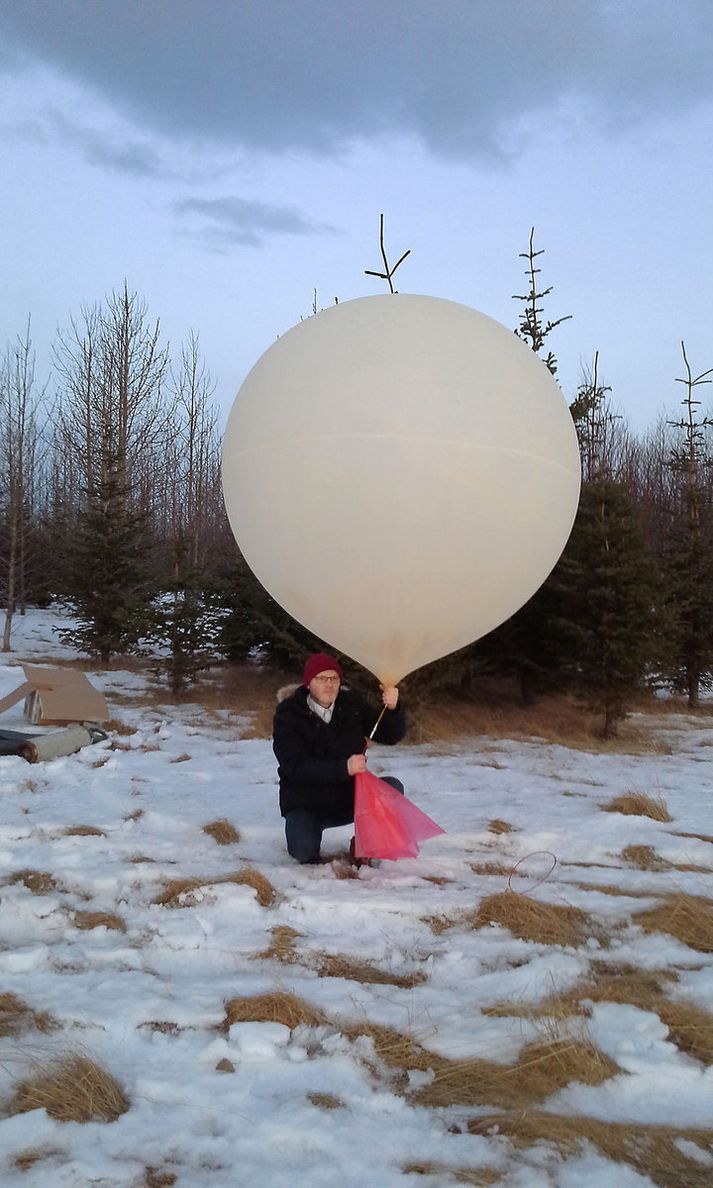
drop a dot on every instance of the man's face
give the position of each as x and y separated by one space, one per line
324 687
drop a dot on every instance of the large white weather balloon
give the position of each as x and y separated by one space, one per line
401 473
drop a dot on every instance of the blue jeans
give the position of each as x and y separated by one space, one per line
303 830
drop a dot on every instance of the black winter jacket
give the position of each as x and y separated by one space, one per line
312 754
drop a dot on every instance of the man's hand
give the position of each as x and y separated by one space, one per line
389 696
356 763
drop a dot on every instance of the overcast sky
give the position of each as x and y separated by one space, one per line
228 157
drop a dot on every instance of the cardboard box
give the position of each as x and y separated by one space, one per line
57 695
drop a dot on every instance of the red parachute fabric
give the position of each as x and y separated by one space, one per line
386 824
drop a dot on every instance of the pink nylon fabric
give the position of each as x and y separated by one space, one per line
386 824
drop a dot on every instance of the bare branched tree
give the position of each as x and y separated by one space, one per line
19 443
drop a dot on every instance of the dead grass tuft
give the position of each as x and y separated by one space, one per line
542 1068
282 946
481 1177
342 870
706 837
609 889
161 1027
636 804
17 1016
498 826
490 868
650 1150
333 965
395 1048
184 758
530 920
89 920
157 1177
39 882
689 918
27 1159
263 888
279 1007
439 924
83 831
690 1027
181 893
116 726
644 858
222 832
72 1088
325 1101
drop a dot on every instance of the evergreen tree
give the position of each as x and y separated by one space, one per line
187 623
689 557
112 579
607 617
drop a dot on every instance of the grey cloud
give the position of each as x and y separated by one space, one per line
221 223
109 149
315 74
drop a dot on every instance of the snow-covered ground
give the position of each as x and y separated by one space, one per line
149 1003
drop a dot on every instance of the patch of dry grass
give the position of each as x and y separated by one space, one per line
39 882
282 945
278 1007
439 924
543 1067
650 1150
498 826
246 689
83 831
158 1177
325 1101
17 1016
531 920
72 1088
690 1027
333 965
689 918
706 837
180 893
496 710
27 1159
161 1027
610 889
183 758
116 726
222 832
490 868
644 858
637 804
90 920
480 1177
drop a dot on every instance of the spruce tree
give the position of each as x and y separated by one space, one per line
689 556
111 573
605 588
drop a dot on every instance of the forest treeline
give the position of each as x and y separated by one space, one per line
111 501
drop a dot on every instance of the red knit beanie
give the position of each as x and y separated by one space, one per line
320 662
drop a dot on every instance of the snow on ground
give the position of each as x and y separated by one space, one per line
149 1003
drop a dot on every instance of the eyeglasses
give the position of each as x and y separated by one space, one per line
327 680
